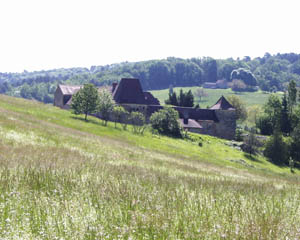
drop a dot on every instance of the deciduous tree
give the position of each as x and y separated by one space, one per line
86 100
165 121
106 104
240 107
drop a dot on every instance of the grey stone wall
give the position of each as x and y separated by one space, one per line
209 127
226 126
58 98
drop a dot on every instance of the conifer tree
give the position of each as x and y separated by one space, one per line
276 149
285 122
292 95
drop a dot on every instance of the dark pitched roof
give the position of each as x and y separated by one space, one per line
129 90
222 104
190 124
150 99
197 113
187 112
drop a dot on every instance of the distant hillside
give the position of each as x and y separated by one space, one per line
64 178
271 73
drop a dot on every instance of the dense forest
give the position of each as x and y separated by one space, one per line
270 73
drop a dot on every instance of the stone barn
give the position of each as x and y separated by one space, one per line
63 95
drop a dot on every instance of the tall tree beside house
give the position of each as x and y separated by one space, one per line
276 149
271 116
292 95
189 99
285 119
172 99
181 98
273 109
86 100
185 99
106 104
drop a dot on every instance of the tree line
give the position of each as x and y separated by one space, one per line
279 119
270 73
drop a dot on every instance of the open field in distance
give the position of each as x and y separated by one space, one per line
250 98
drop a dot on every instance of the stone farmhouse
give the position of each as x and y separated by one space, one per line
218 120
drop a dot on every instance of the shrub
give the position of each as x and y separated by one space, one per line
118 113
250 143
138 122
276 149
166 122
264 124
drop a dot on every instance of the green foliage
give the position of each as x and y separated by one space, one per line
238 85
118 113
238 134
244 75
183 100
273 109
264 124
251 143
285 119
26 91
210 68
172 99
240 107
166 122
292 95
276 149
5 87
105 105
86 100
138 122
295 144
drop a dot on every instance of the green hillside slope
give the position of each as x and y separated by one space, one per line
64 178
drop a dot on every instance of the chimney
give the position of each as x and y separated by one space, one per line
185 120
114 85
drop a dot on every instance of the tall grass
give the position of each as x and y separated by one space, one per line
61 178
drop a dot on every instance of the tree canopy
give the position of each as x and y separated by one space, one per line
86 100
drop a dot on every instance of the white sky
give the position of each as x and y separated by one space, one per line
46 34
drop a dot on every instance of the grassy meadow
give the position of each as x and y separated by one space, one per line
64 178
250 98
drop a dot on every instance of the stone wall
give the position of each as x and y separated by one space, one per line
226 126
58 98
209 127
